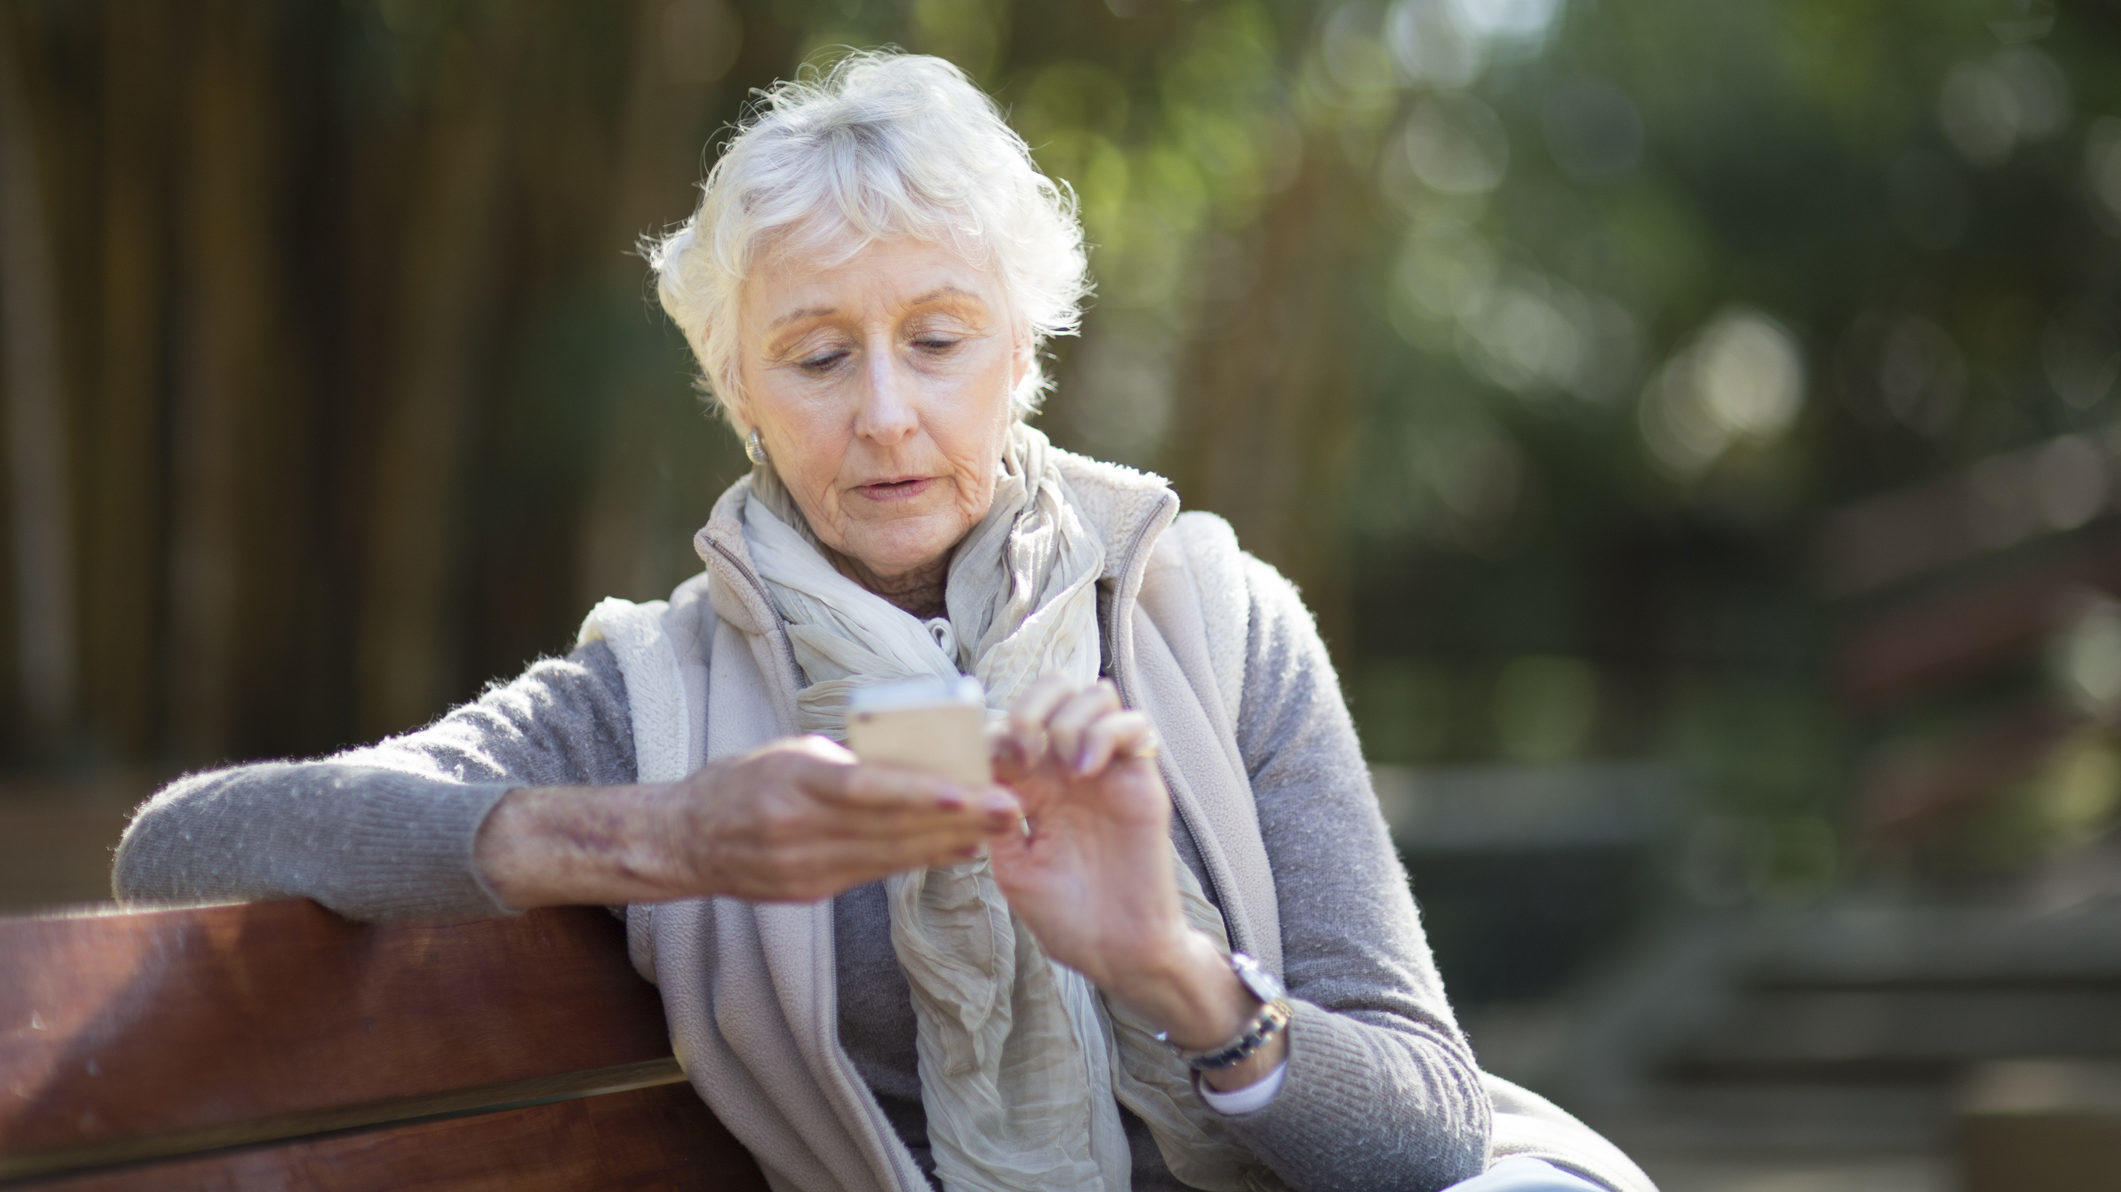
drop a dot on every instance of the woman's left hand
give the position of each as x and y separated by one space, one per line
1093 876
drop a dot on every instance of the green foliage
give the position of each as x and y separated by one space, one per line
1538 339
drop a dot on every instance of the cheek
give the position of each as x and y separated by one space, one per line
976 479
975 492
807 451
819 461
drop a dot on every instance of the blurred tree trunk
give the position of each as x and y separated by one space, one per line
668 109
1265 403
228 337
38 451
125 527
447 310
679 54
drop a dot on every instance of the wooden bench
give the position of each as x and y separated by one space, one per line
276 1045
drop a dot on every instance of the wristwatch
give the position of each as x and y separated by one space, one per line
1272 1019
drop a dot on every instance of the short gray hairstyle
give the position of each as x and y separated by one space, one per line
881 145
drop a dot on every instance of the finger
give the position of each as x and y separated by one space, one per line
891 800
869 822
1004 753
1117 735
873 859
804 871
1007 850
793 798
1065 728
882 786
1028 716
1006 758
854 862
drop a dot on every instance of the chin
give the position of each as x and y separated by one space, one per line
902 549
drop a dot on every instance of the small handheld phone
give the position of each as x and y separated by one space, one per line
927 723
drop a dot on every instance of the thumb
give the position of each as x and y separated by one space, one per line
1006 754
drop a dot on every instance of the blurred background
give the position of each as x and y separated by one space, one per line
1696 426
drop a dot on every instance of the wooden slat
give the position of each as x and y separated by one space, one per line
654 1138
282 1127
183 1022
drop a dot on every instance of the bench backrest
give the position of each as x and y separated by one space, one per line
278 1045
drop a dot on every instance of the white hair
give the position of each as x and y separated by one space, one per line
882 145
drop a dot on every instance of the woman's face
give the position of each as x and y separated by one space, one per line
880 387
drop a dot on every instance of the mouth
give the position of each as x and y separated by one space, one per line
895 488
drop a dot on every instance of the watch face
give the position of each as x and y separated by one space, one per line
1264 985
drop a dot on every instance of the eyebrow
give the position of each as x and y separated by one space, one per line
934 295
943 291
808 312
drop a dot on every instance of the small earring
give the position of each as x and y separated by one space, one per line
754 450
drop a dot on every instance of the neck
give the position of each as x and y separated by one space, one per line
919 591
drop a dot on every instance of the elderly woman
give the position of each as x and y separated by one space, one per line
877 976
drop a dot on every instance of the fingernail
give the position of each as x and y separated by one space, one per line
969 851
1082 761
1001 802
951 799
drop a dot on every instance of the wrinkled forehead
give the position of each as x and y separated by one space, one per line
824 261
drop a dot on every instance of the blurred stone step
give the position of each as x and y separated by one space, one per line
1896 1034
1786 1119
2040 1124
1885 946
1743 1171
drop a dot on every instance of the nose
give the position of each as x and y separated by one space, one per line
886 414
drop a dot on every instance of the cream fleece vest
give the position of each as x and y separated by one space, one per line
749 989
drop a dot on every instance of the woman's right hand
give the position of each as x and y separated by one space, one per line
794 821
800 820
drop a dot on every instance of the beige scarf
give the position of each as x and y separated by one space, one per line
1022 1064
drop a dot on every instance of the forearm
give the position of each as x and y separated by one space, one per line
1381 1087
386 830
555 846
370 844
1366 1103
1200 1004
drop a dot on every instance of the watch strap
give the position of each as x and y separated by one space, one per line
1271 1019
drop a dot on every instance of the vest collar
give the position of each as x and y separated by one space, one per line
1129 509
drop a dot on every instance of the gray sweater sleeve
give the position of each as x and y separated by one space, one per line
1381 1090
386 830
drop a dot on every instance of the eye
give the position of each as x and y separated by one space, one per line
936 345
821 362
